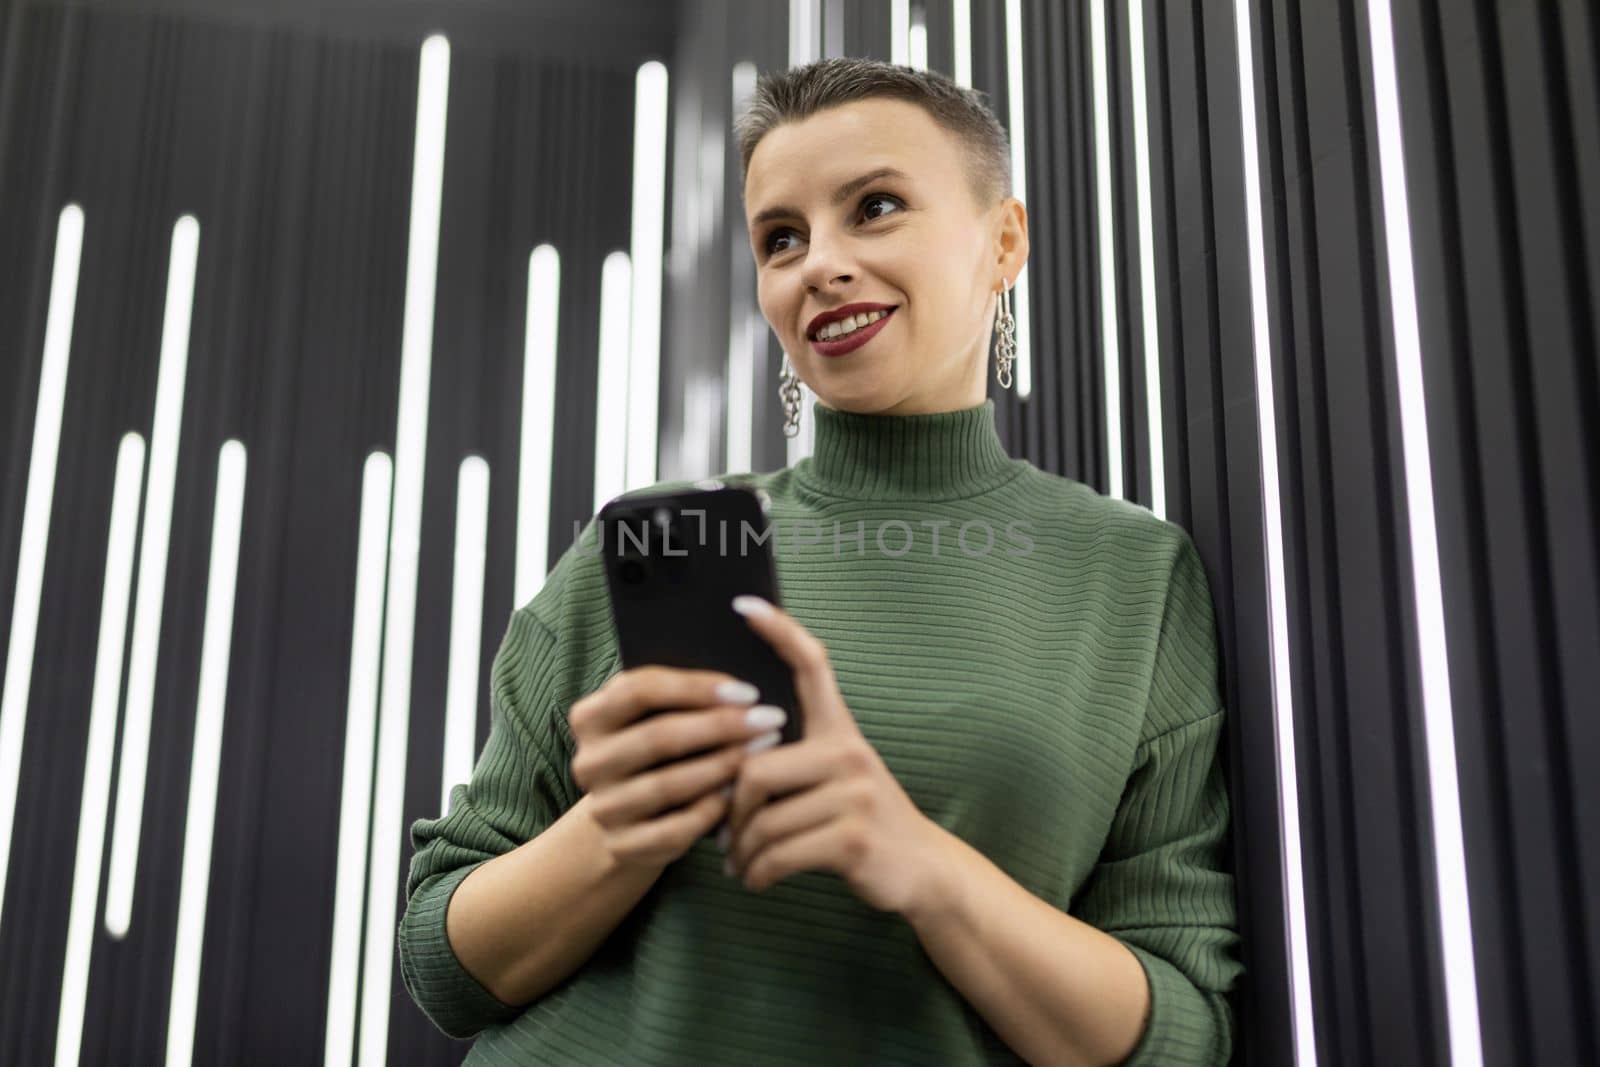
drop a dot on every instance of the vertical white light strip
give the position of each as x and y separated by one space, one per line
645 252
466 626
805 31
1147 260
900 32
200 819
1110 346
961 25
36 517
805 46
355 799
164 439
611 393
101 744
1449 856
740 399
538 422
411 439
1282 687
1019 188
919 39
743 317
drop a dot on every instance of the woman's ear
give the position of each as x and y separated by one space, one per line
1011 237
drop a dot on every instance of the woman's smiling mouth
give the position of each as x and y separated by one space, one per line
838 338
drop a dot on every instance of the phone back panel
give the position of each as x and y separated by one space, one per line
674 562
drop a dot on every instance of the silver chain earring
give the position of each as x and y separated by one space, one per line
789 396
1006 329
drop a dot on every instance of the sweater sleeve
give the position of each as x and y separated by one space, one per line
518 787
1162 884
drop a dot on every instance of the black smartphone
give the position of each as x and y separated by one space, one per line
674 561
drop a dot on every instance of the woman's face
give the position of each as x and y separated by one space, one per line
917 243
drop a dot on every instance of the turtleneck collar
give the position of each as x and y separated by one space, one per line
944 455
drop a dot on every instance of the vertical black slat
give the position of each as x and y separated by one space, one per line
231 77
1012 418
1194 262
749 40
34 186
1520 566
1518 827
938 17
1579 32
1130 288
506 312
1431 102
1087 422
1470 290
764 40
1028 418
346 259
1349 568
1045 204
55 714
695 301
1294 272
1164 206
1395 581
1049 207
558 99
1368 573
254 283
867 29
1565 523
1491 280
1232 541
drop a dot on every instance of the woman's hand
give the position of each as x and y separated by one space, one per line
827 802
633 770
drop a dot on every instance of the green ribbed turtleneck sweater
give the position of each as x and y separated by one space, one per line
1050 696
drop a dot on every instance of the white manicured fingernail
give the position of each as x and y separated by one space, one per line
765 717
762 742
737 693
751 605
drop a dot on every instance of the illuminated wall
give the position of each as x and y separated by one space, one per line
318 332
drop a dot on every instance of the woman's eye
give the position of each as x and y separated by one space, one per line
878 196
776 234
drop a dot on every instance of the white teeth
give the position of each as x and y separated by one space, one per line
850 325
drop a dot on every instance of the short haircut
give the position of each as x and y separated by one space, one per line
797 93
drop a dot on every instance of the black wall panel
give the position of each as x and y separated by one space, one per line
286 128
294 152
1502 140
1369 879
1213 463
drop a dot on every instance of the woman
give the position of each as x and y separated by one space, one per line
1002 837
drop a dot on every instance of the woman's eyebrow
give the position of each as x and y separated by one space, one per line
840 195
